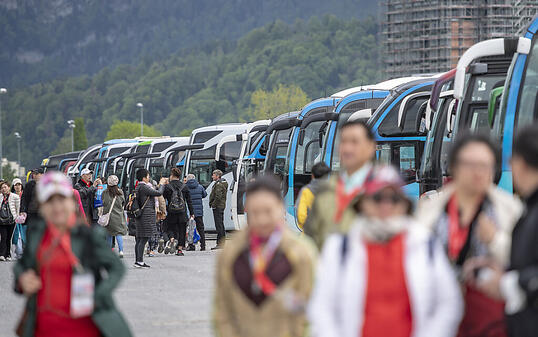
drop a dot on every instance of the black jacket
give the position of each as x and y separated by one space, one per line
178 185
524 259
87 195
145 225
28 196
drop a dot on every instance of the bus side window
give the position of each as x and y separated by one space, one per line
404 156
407 162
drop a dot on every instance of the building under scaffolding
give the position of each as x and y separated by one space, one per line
429 36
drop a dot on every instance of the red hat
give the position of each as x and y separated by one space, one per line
383 176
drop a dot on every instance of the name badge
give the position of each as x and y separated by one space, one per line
82 290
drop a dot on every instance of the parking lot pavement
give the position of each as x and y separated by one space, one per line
172 298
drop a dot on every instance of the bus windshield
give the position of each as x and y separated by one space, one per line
335 161
203 163
309 152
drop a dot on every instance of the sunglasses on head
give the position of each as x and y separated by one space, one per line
392 198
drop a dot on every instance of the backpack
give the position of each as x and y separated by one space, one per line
133 206
177 204
6 218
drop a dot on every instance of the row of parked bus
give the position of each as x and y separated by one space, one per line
493 89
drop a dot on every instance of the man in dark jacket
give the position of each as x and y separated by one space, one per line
87 194
217 201
178 199
197 192
29 203
519 286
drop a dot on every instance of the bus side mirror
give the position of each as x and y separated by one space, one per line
420 123
494 100
451 116
428 116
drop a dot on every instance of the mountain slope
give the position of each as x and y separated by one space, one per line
43 40
203 86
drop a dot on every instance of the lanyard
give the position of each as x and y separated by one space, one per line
259 259
457 234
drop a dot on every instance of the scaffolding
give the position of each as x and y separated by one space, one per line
421 36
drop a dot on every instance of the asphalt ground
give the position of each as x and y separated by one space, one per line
172 298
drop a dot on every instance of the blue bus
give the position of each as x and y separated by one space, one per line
518 103
398 125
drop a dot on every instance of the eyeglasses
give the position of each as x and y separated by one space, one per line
392 198
467 164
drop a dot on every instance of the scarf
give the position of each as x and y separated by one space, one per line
378 230
261 252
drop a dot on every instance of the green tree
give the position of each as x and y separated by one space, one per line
81 142
64 145
9 173
128 129
266 105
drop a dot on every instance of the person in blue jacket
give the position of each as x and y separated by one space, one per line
198 192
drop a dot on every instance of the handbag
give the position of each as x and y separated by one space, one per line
105 218
191 227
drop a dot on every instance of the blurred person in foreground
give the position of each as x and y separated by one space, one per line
518 286
472 217
67 271
332 210
264 276
387 276
320 171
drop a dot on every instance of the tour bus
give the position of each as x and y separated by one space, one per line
519 102
301 155
170 152
109 149
245 167
440 114
85 160
446 116
200 161
275 145
139 158
55 162
398 127
363 102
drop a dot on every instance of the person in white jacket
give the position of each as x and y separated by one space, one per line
387 276
12 203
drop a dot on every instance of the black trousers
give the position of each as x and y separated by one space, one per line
218 216
140 243
176 227
200 229
6 231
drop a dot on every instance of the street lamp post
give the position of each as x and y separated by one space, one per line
2 91
18 136
72 126
141 106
